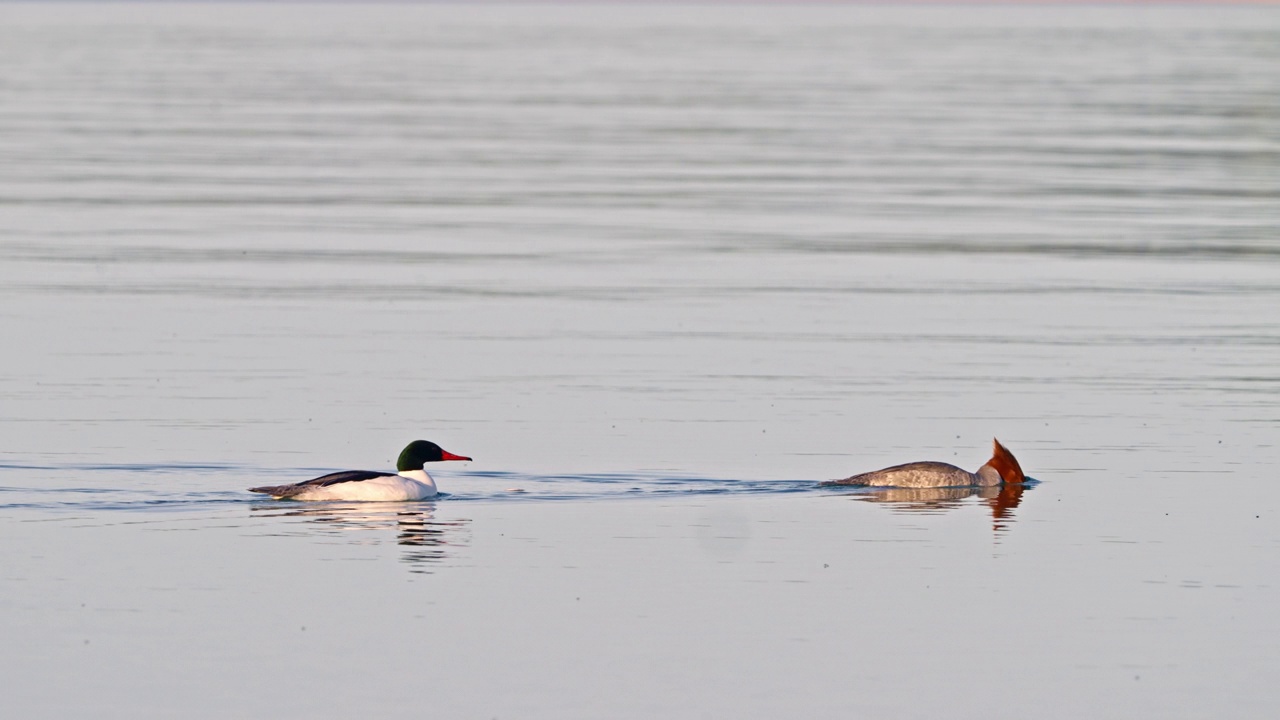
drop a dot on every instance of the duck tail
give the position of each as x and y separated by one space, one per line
278 491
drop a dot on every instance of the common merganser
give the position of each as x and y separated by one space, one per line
1001 469
410 483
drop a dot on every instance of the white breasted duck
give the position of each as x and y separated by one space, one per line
1001 469
410 483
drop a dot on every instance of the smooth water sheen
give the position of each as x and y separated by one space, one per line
659 270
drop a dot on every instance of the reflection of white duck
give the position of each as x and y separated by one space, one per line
1001 469
425 540
410 483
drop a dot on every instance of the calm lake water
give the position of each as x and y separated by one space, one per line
658 270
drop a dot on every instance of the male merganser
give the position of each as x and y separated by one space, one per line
1001 469
410 483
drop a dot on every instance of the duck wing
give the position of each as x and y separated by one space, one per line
345 476
284 491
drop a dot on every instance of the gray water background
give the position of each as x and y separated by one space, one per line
658 269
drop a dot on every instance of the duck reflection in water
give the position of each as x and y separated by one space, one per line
1000 499
426 541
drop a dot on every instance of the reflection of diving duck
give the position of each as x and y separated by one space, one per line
1001 469
1002 499
410 483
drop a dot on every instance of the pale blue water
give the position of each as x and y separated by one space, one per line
659 271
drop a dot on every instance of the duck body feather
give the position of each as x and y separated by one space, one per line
1001 469
358 485
918 475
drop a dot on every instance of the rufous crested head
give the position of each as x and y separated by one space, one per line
1003 462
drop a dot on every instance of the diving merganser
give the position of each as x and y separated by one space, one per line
1001 469
410 483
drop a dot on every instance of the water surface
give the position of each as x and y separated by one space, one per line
660 271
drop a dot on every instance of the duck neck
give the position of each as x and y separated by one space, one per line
418 476
988 475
